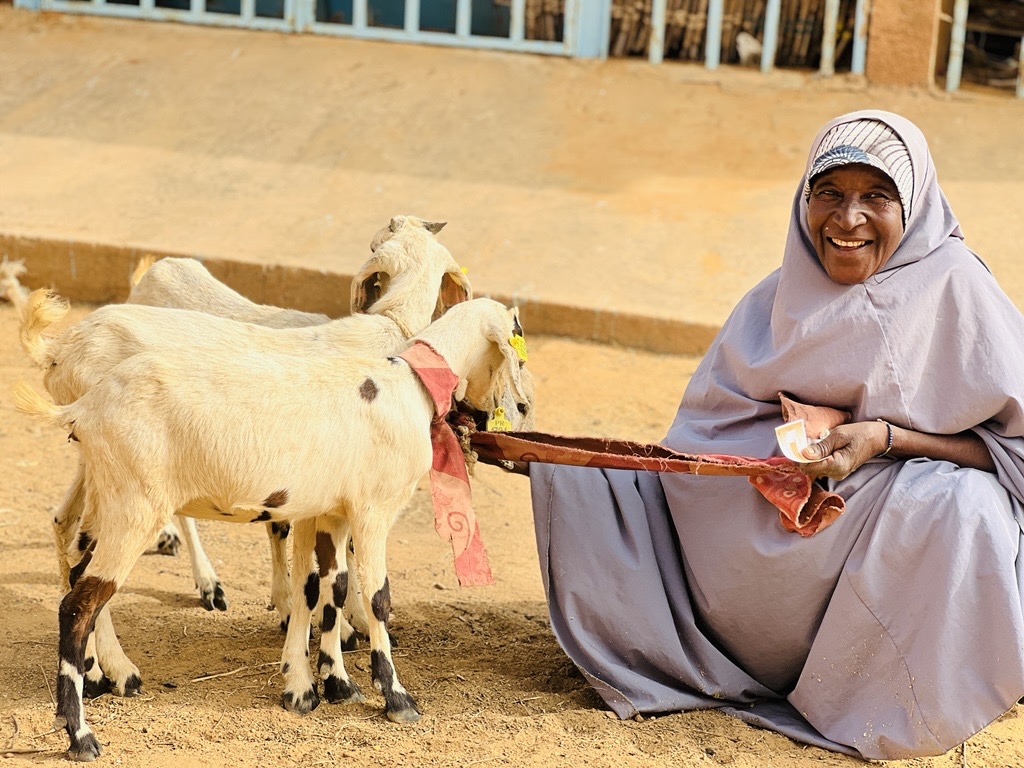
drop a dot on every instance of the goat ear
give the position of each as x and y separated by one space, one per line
455 289
502 335
370 283
397 222
433 227
366 290
517 329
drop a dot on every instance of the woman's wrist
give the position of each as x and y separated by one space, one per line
886 438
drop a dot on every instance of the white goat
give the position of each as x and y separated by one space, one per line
251 435
182 283
416 271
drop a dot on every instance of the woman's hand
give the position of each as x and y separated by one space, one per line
846 448
849 446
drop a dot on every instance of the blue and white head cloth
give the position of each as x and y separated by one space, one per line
867 142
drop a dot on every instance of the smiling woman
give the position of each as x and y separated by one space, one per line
898 631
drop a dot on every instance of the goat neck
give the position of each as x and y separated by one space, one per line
460 344
411 298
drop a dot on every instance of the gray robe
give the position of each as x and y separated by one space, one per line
898 631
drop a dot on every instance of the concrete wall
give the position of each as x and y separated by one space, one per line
902 42
99 273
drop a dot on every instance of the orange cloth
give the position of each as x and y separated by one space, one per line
454 518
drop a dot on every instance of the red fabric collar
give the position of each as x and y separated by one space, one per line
454 518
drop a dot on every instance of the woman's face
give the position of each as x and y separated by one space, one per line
855 220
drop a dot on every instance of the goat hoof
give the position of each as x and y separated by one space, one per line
132 687
93 689
302 704
214 598
86 749
168 544
408 714
339 691
400 707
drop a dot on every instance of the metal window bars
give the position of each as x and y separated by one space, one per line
533 26
790 32
784 32
1011 26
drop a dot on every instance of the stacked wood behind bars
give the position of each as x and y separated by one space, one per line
801 23
544 19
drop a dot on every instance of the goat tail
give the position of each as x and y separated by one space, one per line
42 309
30 402
141 268
10 288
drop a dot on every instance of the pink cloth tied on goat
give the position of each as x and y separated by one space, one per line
804 507
454 518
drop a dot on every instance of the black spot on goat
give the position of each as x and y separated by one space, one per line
368 390
276 499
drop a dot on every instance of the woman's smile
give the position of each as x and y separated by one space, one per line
847 244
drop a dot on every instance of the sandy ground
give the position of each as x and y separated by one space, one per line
494 687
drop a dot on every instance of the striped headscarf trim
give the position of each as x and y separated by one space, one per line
867 142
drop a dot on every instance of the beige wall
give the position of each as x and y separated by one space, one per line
902 42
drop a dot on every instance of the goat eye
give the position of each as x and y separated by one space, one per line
523 408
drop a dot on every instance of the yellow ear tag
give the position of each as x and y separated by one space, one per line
464 270
519 345
498 422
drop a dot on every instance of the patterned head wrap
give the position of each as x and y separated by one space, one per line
866 142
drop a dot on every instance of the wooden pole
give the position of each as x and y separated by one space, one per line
828 39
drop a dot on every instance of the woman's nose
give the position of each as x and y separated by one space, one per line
849 214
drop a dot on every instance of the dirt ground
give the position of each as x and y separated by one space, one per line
494 686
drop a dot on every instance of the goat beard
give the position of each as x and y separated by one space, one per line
464 421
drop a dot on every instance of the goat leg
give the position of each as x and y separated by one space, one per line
211 591
370 538
337 634
280 593
94 580
300 694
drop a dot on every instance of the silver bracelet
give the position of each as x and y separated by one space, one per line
888 445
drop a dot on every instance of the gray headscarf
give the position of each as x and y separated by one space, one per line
866 142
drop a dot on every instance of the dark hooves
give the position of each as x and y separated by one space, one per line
300 705
214 599
338 691
93 689
132 686
168 544
85 749
401 708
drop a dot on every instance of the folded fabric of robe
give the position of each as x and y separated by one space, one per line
804 506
